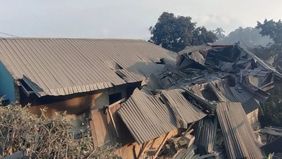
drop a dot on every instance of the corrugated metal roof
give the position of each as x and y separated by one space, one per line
235 93
221 90
181 107
198 92
238 135
206 135
147 117
67 66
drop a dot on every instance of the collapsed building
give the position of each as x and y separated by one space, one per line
204 103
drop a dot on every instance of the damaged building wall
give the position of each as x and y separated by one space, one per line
147 149
107 128
80 103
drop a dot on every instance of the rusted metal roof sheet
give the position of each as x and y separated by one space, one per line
148 117
238 135
67 66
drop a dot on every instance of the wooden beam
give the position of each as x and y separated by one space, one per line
117 102
108 109
161 145
142 151
113 121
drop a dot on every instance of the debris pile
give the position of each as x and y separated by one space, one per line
205 106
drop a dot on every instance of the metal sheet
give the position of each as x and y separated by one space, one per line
67 66
181 107
206 135
148 117
238 135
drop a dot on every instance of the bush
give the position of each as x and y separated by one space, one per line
40 137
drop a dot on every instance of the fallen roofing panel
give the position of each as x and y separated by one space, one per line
183 110
148 117
206 135
235 93
66 66
204 97
238 135
261 62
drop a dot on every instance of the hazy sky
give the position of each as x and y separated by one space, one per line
125 18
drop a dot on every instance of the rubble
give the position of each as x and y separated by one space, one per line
212 92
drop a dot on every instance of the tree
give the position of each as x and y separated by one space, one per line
219 33
203 36
272 29
176 32
272 109
249 37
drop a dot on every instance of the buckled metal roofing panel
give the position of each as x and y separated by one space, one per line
238 135
181 107
148 117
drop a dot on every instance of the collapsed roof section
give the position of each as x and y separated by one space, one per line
238 135
226 82
67 66
220 73
149 116
205 63
206 135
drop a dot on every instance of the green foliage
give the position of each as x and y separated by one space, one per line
272 108
176 32
272 29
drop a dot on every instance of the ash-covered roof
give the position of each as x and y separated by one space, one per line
62 66
149 116
238 135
